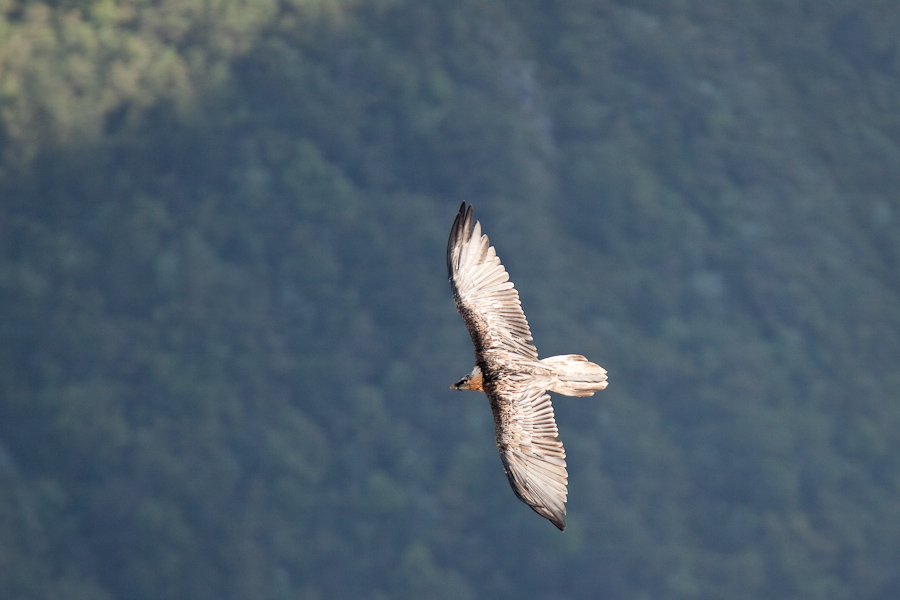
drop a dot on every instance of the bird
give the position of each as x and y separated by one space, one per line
508 371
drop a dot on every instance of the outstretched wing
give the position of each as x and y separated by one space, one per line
533 457
484 295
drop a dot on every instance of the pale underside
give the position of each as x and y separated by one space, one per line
515 381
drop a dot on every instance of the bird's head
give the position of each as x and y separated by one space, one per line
472 381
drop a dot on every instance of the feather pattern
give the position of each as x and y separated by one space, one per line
515 381
484 296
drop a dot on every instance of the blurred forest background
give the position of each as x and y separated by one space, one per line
226 334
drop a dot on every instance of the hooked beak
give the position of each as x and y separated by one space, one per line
472 381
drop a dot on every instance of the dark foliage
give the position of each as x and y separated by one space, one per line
226 333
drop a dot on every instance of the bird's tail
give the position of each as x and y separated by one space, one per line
574 375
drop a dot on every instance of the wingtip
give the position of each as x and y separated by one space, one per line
559 520
468 215
465 212
459 233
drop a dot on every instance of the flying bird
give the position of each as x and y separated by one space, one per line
508 371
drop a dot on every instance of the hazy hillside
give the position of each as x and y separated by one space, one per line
226 334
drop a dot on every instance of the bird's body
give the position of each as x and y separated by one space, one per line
509 372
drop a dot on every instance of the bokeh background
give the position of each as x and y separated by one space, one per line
226 334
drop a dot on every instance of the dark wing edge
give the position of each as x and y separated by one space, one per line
485 298
533 457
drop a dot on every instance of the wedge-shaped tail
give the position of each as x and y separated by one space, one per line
574 375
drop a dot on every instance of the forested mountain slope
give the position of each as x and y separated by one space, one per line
226 334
